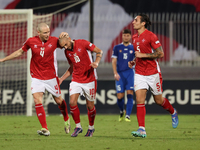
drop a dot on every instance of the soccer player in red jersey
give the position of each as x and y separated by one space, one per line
84 78
43 69
147 72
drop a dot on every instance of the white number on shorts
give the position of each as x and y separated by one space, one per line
138 48
92 93
118 88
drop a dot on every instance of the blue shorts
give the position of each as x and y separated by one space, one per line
126 81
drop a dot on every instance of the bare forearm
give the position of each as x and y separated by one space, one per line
157 54
14 55
99 56
67 73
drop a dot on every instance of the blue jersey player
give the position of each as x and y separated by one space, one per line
124 76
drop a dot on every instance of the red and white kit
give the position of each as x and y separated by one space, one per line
43 64
83 73
147 68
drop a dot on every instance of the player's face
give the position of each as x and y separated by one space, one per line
137 24
67 44
126 37
44 33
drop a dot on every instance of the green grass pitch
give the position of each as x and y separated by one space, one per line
19 133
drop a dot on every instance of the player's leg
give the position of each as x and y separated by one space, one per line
91 117
53 87
120 96
129 105
63 109
38 89
90 95
141 88
40 113
120 103
129 87
75 112
156 90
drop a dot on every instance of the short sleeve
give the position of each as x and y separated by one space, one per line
115 52
88 45
26 46
155 43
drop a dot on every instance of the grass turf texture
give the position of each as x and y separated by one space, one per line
19 133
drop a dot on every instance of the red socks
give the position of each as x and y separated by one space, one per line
141 112
41 115
167 106
63 109
91 116
74 110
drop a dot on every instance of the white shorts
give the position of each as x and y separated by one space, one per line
152 81
86 89
52 86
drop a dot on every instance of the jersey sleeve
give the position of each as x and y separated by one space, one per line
88 45
26 46
115 52
155 43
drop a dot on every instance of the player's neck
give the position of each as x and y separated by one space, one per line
141 30
126 43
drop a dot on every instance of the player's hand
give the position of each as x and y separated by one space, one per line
116 76
1 60
63 34
138 54
131 63
60 81
94 65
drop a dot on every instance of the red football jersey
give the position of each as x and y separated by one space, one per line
145 43
81 59
43 62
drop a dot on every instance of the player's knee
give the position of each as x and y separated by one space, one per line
72 102
90 106
37 101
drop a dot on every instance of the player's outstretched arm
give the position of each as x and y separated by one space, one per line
99 54
158 53
15 54
66 74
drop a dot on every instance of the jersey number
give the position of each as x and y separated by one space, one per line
138 48
76 58
125 56
42 53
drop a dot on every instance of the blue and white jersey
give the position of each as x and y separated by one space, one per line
124 54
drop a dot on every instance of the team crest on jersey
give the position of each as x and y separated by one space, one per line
79 49
131 51
120 50
35 46
143 40
50 45
138 43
